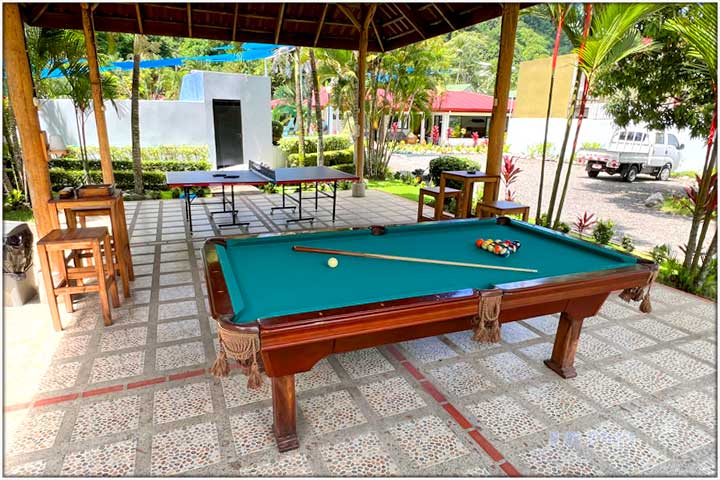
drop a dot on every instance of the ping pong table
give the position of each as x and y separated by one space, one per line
257 175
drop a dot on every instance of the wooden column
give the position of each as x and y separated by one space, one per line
20 90
366 18
98 105
496 134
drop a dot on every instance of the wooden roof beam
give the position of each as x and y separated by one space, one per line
189 19
235 22
139 18
40 13
320 25
377 35
349 15
411 18
442 14
279 23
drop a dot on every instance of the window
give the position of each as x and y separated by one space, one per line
639 137
621 136
672 140
659 138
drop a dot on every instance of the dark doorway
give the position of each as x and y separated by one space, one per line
227 117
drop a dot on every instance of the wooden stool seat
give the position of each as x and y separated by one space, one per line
433 192
79 240
501 207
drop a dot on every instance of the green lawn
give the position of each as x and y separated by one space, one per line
396 187
18 215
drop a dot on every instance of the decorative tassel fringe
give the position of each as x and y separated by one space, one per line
486 326
640 294
242 347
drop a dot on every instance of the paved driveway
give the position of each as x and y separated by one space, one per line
608 197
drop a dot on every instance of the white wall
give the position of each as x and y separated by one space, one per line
162 122
254 95
525 132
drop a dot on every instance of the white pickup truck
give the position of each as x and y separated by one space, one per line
631 152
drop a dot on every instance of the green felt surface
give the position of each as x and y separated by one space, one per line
266 278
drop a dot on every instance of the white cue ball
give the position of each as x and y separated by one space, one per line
332 262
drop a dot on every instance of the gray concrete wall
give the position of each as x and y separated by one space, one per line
161 122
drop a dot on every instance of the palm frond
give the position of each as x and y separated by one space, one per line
699 30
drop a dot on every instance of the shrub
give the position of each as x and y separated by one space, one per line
604 231
60 178
660 253
628 243
346 167
159 153
14 199
126 165
331 158
289 145
277 131
440 164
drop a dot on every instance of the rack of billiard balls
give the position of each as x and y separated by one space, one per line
502 248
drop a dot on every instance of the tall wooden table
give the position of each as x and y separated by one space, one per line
468 178
116 206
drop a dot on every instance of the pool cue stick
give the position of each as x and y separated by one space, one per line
346 253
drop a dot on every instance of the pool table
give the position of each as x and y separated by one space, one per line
303 310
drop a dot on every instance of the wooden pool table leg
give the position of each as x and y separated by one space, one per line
284 422
562 360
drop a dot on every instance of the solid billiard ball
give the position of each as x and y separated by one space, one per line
332 262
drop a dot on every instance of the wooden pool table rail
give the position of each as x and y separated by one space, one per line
292 344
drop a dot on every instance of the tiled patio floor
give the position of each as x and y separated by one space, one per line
136 398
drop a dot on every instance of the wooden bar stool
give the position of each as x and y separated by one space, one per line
79 216
434 192
500 208
79 239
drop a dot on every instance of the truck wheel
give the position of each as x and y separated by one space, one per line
593 173
631 174
664 174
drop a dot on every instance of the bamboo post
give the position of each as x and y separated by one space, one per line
359 187
496 135
98 105
20 90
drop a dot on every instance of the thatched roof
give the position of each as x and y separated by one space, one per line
327 25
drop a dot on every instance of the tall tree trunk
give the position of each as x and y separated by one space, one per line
318 109
80 120
581 115
15 182
549 108
135 118
299 129
708 213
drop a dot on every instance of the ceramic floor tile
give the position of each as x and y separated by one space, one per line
428 441
642 375
29 469
618 311
689 321
290 464
364 363
391 397
236 392
508 367
624 337
505 418
121 339
460 379
59 376
679 364
175 278
70 347
180 292
177 266
622 449
360 456
593 349
184 449
558 459
115 367
167 311
657 330
112 460
36 432
180 330
126 316
603 389
668 429
516 333
321 375
429 349
252 431
179 403
696 405
547 324
556 401
331 412
542 351
182 355
106 417
701 349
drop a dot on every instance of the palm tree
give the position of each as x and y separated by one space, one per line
339 69
699 30
318 107
299 128
135 117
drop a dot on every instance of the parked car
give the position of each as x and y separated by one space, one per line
632 152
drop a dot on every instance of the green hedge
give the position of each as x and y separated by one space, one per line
159 153
330 158
346 167
440 164
60 178
127 165
289 145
